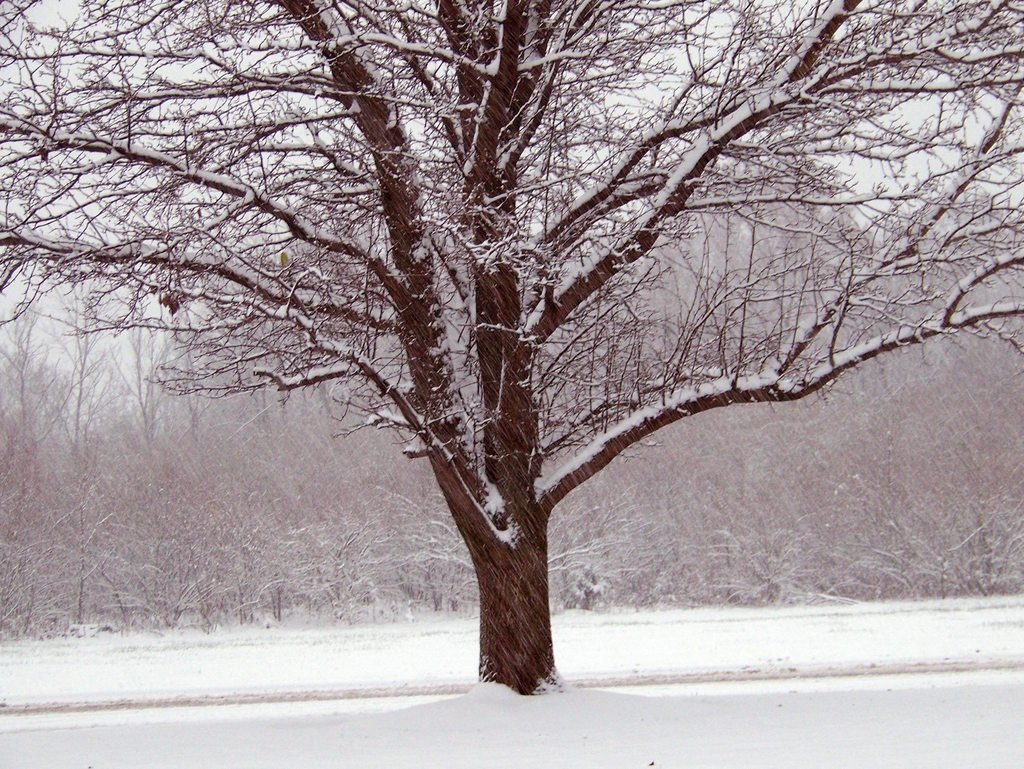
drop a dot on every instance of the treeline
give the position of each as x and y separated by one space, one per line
126 506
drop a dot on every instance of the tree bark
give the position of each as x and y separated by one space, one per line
512 580
516 647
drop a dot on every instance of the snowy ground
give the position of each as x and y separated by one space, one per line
937 684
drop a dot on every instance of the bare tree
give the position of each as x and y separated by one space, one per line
31 404
89 386
32 398
145 400
525 234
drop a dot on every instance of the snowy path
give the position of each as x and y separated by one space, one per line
411 694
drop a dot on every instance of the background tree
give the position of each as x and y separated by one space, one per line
31 402
529 234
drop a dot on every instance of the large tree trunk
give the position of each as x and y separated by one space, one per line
515 619
512 577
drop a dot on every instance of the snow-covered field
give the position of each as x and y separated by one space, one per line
937 684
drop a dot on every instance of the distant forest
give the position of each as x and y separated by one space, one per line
124 505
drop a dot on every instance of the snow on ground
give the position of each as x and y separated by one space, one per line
951 727
589 647
967 716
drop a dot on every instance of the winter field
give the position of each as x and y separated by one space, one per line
902 685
